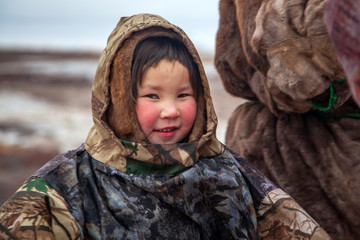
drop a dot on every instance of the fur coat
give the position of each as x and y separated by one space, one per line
300 126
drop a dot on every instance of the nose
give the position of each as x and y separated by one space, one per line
170 110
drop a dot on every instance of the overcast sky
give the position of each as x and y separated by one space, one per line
87 23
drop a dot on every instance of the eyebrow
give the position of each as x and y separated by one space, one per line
158 87
151 86
187 87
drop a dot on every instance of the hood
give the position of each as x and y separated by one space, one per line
279 53
111 83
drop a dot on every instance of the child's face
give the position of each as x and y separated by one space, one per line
165 106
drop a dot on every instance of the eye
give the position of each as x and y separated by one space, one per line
183 95
152 96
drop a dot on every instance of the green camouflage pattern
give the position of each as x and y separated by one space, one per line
37 211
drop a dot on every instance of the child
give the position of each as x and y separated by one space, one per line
151 166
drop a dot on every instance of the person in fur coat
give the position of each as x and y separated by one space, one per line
300 126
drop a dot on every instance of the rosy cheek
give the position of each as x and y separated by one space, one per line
188 111
146 114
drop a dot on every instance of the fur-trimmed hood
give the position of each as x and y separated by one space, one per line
110 111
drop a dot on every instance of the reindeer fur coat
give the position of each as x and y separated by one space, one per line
300 126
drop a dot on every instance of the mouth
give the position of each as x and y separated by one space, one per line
167 133
166 130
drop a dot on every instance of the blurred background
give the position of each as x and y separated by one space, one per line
48 57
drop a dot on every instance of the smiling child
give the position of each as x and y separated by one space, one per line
151 166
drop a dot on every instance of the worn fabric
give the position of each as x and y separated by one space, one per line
300 126
118 186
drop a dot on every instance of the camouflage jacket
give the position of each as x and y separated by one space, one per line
77 197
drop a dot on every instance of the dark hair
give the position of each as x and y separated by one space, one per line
151 51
